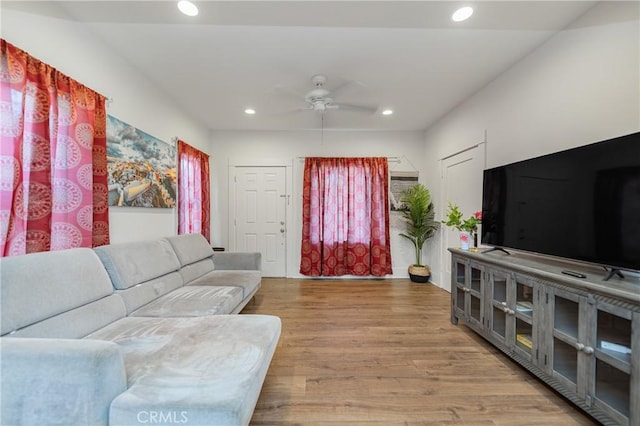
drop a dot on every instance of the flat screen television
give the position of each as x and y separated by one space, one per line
582 204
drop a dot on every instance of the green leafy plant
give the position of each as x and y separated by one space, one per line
419 215
455 219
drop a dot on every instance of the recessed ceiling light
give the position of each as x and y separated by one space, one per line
250 111
462 14
387 112
188 8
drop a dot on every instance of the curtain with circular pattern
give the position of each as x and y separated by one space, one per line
53 158
345 228
194 211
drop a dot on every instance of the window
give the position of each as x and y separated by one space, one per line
345 208
194 194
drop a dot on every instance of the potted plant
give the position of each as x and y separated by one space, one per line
419 214
467 227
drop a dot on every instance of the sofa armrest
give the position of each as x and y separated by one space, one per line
47 381
226 260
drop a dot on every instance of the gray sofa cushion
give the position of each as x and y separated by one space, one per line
248 280
251 261
196 270
38 286
129 264
190 248
193 302
207 370
141 294
78 322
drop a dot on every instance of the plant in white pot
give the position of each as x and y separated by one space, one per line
467 227
419 215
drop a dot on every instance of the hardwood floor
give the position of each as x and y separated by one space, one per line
383 352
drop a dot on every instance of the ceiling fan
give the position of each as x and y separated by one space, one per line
320 99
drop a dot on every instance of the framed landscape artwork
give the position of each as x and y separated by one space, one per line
142 169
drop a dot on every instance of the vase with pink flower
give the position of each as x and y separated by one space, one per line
468 227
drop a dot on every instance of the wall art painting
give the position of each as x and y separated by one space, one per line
142 169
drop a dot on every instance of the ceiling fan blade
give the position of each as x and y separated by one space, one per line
292 111
288 93
357 108
346 87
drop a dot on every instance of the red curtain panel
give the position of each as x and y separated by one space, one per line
194 206
53 158
345 223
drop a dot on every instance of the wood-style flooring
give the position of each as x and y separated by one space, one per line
384 352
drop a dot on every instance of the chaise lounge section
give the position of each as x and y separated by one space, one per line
77 347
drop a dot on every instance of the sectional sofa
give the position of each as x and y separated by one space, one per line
136 333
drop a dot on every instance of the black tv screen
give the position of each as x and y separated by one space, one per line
582 204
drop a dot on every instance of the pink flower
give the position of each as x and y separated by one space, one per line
478 215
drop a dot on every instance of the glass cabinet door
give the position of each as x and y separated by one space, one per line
525 304
459 289
461 282
467 292
568 310
500 319
611 388
475 295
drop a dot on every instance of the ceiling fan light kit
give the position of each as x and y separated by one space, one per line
320 99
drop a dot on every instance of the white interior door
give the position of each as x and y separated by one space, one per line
260 216
462 185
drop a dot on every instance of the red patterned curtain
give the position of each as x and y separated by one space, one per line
53 158
345 222
194 194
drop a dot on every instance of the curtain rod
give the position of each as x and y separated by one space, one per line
392 159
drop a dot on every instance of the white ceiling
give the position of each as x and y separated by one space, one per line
408 56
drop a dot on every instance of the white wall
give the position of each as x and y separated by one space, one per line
265 148
581 86
68 47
